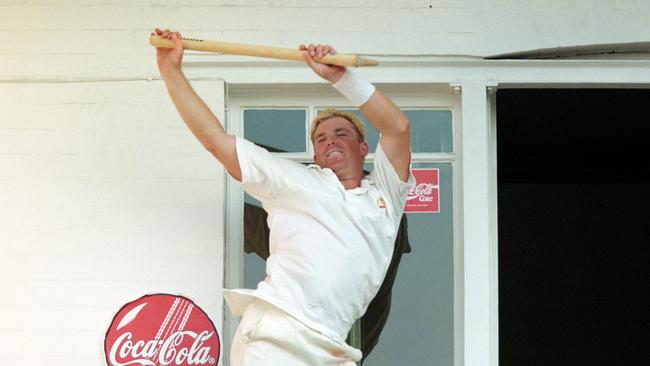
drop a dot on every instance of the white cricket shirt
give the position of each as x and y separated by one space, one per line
329 247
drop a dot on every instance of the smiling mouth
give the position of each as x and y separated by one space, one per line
334 153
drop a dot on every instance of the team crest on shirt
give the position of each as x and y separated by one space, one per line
380 202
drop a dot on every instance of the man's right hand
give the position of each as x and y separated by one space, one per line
169 59
195 113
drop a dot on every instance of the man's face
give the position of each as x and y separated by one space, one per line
337 146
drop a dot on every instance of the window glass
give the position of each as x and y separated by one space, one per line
254 242
420 328
278 130
431 130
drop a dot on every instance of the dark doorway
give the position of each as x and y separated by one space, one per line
574 226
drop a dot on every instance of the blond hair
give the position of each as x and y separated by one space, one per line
331 113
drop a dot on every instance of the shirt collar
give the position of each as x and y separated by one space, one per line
366 181
364 186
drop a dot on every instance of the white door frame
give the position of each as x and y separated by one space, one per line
477 341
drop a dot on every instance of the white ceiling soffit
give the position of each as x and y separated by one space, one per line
633 50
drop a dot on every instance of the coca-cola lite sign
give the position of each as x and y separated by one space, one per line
424 196
161 330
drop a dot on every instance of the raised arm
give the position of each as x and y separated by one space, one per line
195 113
394 127
382 113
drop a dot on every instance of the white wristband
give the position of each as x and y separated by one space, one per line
356 89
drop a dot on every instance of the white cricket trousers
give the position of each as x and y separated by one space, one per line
267 336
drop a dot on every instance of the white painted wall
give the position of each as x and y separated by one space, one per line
105 197
104 194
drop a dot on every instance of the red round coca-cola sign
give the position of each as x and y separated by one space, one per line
161 330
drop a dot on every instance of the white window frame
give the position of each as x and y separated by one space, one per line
318 96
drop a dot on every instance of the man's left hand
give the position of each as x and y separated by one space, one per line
331 73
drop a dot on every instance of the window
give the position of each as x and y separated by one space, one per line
431 130
423 292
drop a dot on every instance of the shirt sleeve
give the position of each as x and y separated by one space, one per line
264 175
390 184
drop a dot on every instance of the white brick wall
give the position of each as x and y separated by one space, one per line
106 196
89 39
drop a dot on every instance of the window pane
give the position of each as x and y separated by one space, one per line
420 327
277 130
254 242
431 130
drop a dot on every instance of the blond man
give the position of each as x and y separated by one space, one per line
332 227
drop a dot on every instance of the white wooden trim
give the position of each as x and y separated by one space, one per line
234 230
493 225
478 323
458 259
436 70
